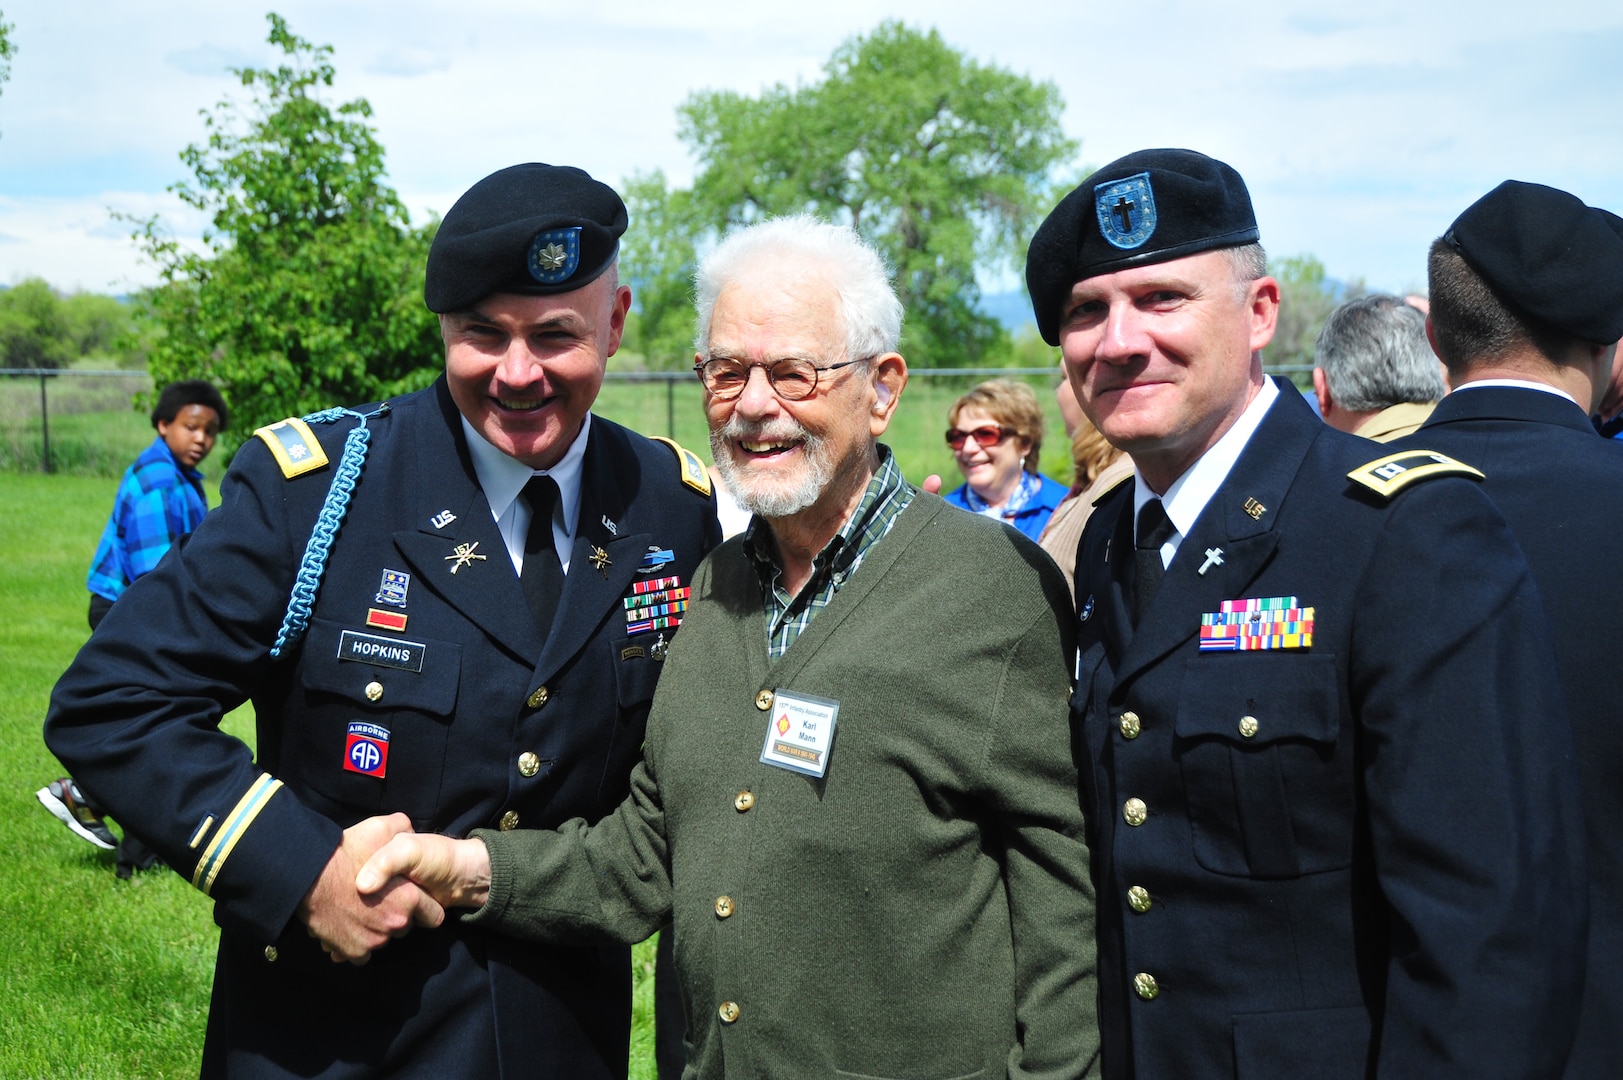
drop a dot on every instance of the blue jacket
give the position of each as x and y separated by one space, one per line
157 503
1031 518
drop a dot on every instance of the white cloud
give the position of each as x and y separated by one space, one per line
1362 131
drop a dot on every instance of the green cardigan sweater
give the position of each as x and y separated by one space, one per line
924 910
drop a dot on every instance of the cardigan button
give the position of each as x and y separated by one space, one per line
744 802
724 907
763 700
728 1012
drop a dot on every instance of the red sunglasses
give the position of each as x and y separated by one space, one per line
990 435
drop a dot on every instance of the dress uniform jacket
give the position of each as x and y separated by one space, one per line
921 911
1355 857
479 715
1561 489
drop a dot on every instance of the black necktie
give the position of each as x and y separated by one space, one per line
542 577
1154 529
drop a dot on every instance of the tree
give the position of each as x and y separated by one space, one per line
33 332
943 163
310 291
8 48
1306 298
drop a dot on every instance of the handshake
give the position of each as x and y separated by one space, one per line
383 879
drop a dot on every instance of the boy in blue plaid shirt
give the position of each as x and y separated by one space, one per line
159 500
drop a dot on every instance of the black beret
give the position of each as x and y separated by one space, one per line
531 229
1148 207
1549 255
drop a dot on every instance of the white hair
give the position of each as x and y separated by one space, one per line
867 304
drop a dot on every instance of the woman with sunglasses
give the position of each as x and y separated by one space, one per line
995 432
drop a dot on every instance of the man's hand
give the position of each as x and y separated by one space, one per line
351 926
455 873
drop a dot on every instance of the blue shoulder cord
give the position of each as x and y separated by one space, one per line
314 564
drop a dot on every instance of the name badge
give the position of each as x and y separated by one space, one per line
381 651
800 733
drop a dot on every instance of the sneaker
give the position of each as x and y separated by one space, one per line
64 799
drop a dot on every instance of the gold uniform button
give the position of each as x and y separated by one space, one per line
724 906
744 802
1138 898
1135 811
374 690
539 698
1129 725
528 764
1145 986
509 821
1248 726
763 700
728 1012
271 954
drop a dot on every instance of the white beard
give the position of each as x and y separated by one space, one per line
763 495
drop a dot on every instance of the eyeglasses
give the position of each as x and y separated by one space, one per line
990 435
792 379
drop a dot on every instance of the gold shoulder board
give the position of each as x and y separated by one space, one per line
692 466
1391 474
294 446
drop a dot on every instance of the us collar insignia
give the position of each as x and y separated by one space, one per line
655 559
1255 509
614 529
464 556
1271 622
442 519
1126 211
554 255
600 561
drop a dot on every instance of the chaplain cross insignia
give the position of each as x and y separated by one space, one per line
551 257
464 556
1124 208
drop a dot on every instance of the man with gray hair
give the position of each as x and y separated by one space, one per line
1376 374
905 894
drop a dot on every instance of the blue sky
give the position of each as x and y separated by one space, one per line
1361 134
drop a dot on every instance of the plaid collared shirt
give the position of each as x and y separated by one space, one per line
887 496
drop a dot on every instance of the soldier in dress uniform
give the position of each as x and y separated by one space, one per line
1326 764
451 606
1526 310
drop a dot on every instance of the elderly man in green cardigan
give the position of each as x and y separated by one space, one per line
857 805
